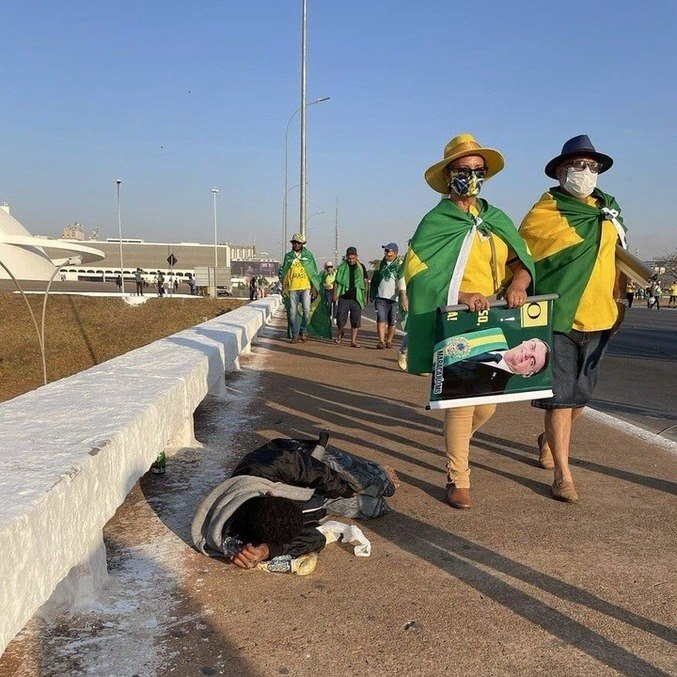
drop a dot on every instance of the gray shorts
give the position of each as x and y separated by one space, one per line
349 307
386 311
575 360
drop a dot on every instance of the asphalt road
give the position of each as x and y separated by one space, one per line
638 378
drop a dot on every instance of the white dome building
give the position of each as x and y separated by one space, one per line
35 258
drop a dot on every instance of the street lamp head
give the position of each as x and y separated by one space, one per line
215 190
118 181
324 98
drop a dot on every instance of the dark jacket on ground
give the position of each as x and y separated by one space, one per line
285 468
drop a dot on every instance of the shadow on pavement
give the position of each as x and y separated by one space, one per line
482 439
460 558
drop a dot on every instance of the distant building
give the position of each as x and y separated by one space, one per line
73 231
152 256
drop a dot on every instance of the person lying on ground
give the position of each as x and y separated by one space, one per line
277 496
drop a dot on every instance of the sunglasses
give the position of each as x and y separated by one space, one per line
580 165
465 172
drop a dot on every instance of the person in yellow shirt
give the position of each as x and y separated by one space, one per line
572 232
328 275
465 250
300 285
672 301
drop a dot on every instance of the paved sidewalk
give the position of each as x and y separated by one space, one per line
520 584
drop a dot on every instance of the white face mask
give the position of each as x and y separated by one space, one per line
580 184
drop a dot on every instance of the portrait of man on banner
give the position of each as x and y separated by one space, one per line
492 356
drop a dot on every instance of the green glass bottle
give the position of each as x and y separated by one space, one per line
159 464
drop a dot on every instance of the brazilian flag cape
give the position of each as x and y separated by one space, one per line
429 265
343 281
319 322
393 268
564 235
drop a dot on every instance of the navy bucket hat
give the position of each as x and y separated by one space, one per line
578 145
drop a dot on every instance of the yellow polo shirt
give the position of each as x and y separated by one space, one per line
597 309
478 276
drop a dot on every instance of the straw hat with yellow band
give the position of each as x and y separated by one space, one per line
461 146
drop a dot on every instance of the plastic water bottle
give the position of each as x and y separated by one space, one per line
158 467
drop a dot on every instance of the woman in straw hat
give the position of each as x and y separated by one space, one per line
463 251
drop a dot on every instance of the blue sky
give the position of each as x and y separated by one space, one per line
174 98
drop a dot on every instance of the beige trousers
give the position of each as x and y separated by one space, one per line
460 424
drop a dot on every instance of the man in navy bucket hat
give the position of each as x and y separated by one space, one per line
572 232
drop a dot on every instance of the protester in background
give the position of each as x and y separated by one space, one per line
261 287
403 314
672 301
301 284
118 282
328 275
252 289
351 289
572 233
385 290
654 294
138 279
463 251
160 283
191 284
630 289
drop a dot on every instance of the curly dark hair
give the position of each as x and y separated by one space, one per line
267 519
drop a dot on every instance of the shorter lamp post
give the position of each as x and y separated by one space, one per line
215 291
117 204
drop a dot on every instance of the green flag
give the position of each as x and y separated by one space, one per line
429 266
564 236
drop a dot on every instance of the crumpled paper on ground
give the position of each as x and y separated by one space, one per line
346 533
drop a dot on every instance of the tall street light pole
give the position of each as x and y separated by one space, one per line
302 216
117 205
215 292
285 215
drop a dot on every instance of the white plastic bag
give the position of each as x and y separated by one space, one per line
346 533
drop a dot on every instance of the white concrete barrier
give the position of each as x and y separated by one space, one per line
71 451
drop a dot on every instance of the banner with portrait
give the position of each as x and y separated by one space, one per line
491 356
